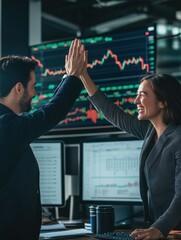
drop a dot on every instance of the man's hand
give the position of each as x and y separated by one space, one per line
146 234
75 60
76 64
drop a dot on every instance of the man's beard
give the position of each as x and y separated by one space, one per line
25 103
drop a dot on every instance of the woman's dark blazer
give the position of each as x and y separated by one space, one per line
163 163
20 209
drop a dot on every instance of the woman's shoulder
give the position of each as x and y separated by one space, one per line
178 127
176 131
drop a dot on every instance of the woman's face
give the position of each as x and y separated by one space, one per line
149 108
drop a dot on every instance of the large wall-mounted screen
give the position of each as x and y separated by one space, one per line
116 64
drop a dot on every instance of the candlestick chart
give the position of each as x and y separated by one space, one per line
116 63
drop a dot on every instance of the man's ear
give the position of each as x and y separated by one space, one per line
19 89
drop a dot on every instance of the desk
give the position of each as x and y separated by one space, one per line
91 237
72 234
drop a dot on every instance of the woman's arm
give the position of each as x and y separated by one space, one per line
114 114
86 79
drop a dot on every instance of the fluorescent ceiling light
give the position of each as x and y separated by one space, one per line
119 22
178 15
61 22
101 3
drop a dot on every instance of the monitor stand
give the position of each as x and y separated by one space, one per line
74 214
123 216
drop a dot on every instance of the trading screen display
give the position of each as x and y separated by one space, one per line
110 171
49 156
116 63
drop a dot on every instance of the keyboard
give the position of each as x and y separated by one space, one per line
114 235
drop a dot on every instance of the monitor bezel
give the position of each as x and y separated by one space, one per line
62 154
118 138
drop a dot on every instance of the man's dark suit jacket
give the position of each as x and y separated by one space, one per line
160 164
20 209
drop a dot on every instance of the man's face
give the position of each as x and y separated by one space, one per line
29 93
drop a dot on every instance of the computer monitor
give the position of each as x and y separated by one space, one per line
50 158
116 63
110 171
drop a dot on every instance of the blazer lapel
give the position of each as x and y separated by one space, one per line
145 149
157 148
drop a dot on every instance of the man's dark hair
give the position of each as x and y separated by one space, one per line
168 91
14 69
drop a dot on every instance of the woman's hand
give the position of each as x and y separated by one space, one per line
75 60
148 233
84 70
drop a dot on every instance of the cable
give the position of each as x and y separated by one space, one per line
140 213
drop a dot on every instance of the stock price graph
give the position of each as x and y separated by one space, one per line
116 64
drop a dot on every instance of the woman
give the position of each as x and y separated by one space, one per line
159 124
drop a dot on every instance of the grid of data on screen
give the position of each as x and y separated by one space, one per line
49 158
116 63
111 171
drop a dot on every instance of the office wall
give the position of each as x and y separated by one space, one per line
14 27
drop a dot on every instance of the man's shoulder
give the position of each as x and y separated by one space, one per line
5 117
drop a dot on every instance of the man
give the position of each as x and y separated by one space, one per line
20 209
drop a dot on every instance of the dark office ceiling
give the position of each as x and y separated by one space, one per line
70 18
66 19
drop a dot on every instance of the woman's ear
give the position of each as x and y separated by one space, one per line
163 104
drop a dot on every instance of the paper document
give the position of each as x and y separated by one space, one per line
65 233
49 227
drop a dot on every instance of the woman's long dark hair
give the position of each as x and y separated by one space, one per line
168 91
